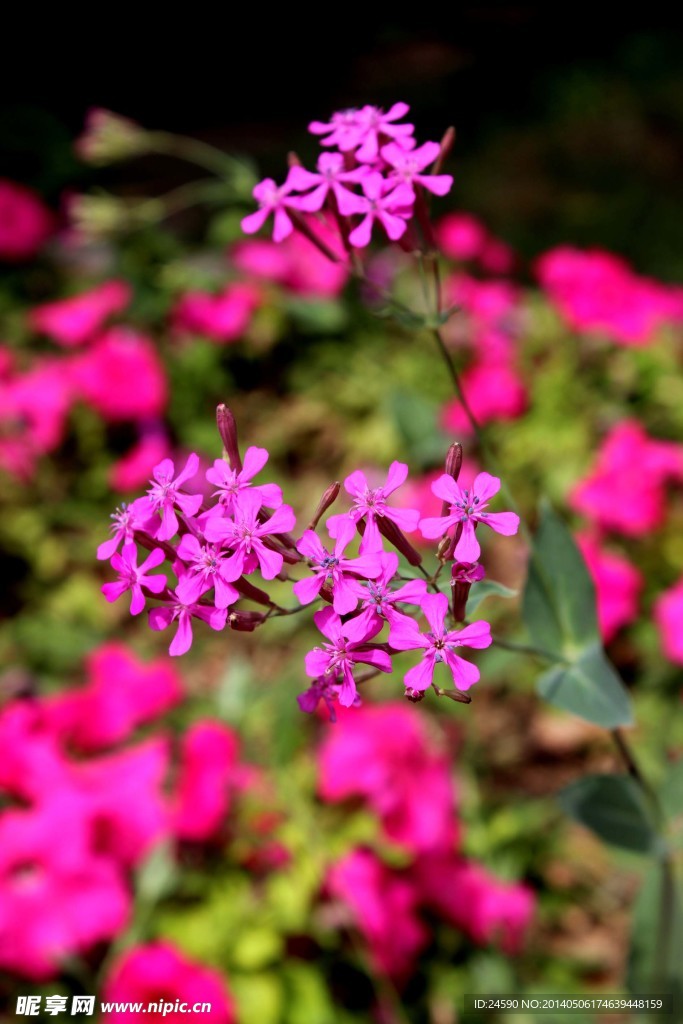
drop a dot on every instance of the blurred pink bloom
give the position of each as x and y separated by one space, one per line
223 317
33 411
668 613
597 292
385 908
625 491
297 264
121 694
135 467
75 320
32 762
494 391
408 165
102 376
25 222
365 130
387 754
617 584
58 898
158 973
461 236
206 776
485 908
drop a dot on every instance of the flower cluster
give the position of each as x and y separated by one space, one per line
371 172
212 547
402 761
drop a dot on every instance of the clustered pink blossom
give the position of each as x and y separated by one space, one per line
391 759
668 613
464 238
25 222
371 173
210 546
76 320
111 804
597 292
618 585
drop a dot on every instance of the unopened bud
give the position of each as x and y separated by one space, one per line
453 463
446 144
246 622
414 696
108 138
329 497
395 535
293 159
227 428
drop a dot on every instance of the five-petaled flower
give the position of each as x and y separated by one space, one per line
467 508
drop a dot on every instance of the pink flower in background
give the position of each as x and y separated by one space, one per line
103 376
668 614
32 762
487 909
625 492
439 644
135 467
296 264
597 292
223 317
121 694
385 910
25 222
618 585
461 236
387 755
58 897
159 973
203 791
75 320
494 391
34 407
466 510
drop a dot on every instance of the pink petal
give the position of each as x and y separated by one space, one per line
464 672
447 489
345 600
253 462
506 523
311 546
485 486
316 663
434 527
397 475
420 677
270 561
360 236
467 549
307 590
477 634
434 608
328 622
182 641
283 225
253 222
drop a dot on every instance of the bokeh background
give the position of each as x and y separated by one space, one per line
283 867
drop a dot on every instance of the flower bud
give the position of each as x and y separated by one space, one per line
395 535
109 138
414 696
227 428
328 498
246 622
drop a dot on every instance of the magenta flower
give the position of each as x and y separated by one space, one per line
618 585
364 130
127 520
467 508
332 177
103 376
75 320
333 569
342 130
231 483
133 577
244 534
391 206
371 503
439 644
25 222
160 618
379 600
348 646
408 164
165 495
325 689
275 199
207 773
668 614
205 570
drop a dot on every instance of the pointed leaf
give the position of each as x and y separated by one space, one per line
615 809
589 688
480 591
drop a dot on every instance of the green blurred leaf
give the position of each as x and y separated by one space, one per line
589 688
559 597
615 809
416 422
671 791
157 875
650 967
486 588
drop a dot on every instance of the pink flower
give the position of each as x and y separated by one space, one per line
183 611
158 973
461 236
485 908
333 570
104 374
371 504
625 491
385 910
33 411
205 568
439 644
390 205
332 177
33 762
276 200
597 292
365 130
348 646
231 483
25 222
617 583
388 755
121 694
223 317
466 509
407 166
379 600
126 520
297 264
245 535
133 577
494 391
668 613
75 320
57 898
165 496
207 773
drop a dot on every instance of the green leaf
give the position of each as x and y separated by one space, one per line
615 809
559 597
671 791
416 423
588 687
480 591
654 964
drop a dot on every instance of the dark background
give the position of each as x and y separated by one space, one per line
569 128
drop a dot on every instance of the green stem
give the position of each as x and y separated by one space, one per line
195 151
538 652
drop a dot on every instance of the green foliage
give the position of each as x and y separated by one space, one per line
615 809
